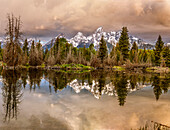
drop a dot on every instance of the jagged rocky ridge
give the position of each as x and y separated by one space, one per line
79 40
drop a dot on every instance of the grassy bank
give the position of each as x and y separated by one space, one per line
64 67
80 67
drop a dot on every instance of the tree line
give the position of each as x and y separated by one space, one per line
61 52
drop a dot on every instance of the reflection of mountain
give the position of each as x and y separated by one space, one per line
109 89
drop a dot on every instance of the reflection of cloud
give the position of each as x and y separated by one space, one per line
39 27
80 111
86 15
134 120
45 122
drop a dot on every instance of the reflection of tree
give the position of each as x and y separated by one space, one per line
101 82
35 76
133 81
57 79
160 84
24 77
165 83
89 78
11 92
151 125
157 89
121 88
143 79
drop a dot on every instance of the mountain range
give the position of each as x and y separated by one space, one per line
79 40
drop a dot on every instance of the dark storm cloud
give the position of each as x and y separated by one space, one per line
51 17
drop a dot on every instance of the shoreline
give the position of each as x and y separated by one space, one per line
79 67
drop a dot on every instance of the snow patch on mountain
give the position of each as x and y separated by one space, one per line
79 40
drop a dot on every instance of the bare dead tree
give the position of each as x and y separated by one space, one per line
12 50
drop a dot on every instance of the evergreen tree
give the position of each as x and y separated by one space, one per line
39 52
25 47
112 53
58 59
102 49
140 56
133 53
56 46
124 43
135 46
145 56
33 55
25 53
51 58
166 55
157 51
118 54
45 53
91 47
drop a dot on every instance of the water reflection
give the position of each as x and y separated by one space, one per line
98 83
12 93
160 84
151 125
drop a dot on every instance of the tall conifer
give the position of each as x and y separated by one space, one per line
102 49
124 43
157 51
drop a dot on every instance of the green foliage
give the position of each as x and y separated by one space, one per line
134 46
45 54
32 59
160 85
124 43
134 53
42 65
61 52
157 51
25 47
102 49
74 66
166 55
145 56
121 87
27 64
118 68
36 54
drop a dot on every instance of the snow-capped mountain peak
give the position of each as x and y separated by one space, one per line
79 40
99 30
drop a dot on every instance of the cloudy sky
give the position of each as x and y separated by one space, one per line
47 18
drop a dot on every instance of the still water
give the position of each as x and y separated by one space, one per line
37 99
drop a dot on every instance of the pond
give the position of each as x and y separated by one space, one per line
97 100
